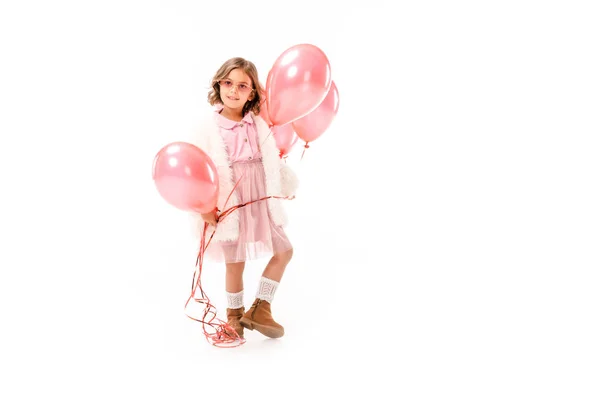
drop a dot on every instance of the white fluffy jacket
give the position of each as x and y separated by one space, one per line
280 179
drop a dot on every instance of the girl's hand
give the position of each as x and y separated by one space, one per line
210 218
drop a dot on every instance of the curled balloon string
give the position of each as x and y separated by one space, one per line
216 331
222 334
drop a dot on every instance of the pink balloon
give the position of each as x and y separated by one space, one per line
186 177
297 83
285 138
314 124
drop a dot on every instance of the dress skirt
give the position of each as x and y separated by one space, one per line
259 236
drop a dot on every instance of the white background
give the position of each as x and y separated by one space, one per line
446 232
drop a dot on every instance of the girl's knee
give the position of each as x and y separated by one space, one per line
235 267
285 256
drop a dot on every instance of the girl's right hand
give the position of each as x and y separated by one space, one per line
210 218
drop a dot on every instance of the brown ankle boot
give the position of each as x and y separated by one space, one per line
233 319
259 317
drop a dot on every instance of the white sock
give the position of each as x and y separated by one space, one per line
235 300
266 289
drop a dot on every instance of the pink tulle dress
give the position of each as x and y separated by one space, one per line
259 236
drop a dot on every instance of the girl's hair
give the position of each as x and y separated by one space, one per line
214 95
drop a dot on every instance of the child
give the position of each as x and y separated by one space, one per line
240 144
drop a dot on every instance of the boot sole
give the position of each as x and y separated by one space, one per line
268 331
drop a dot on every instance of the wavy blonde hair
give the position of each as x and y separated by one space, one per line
214 94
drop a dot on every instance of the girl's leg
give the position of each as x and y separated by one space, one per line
259 315
276 266
272 275
233 277
234 286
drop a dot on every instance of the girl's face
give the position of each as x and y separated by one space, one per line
236 89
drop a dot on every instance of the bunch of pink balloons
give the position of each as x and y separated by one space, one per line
302 99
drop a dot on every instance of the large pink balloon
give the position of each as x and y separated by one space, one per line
186 177
285 138
313 125
297 83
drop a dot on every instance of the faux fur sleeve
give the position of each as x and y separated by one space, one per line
289 180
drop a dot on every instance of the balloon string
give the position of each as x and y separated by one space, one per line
232 190
216 331
306 146
233 208
264 141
